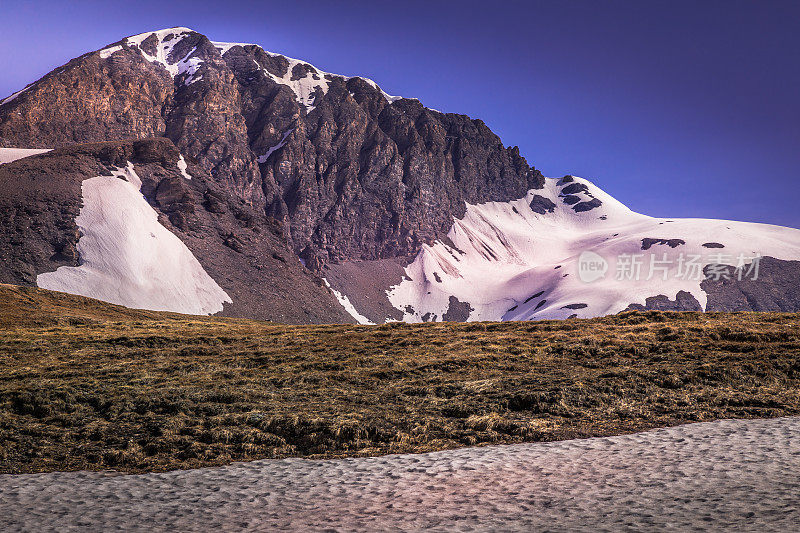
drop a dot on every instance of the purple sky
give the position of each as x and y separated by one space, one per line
676 108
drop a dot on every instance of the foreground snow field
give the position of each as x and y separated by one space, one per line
728 474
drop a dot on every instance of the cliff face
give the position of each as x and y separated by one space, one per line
351 172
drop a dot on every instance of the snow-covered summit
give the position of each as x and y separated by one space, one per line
160 47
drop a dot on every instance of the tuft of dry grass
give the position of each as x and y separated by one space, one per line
86 385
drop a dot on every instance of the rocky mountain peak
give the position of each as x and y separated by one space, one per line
350 171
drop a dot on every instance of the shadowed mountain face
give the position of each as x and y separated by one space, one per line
273 175
351 172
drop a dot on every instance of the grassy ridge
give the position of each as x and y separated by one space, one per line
151 391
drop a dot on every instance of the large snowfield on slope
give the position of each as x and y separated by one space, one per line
512 263
128 258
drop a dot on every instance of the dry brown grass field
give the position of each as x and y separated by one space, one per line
88 385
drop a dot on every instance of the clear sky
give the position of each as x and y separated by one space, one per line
676 108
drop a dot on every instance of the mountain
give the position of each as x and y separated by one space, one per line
203 177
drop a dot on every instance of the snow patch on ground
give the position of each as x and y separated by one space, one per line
728 475
345 301
504 253
7 155
128 258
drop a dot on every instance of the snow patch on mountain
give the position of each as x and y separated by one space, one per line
7 155
105 53
519 260
129 258
349 307
182 166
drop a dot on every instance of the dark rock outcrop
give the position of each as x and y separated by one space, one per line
457 311
587 206
574 188
648 242
775 287
540 204
684 301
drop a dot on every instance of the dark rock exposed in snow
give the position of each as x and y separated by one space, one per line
774 289
587 206
575 188
532 296
542 205
672 243
457 311
684 301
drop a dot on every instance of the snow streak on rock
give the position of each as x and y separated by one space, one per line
14 96
128 258
272 149
345 301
